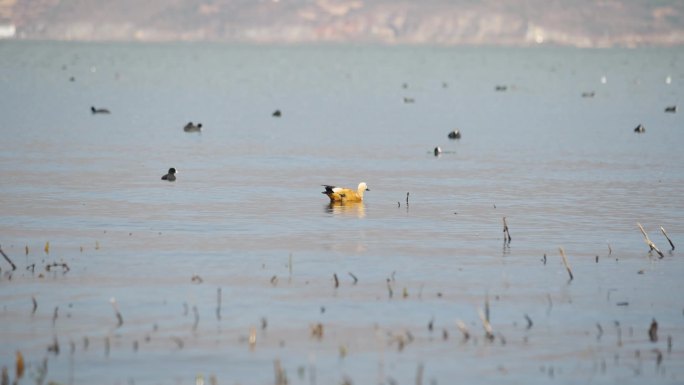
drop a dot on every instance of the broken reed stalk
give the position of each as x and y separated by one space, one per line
489 333
649 242
252 337
194 310
419 374
653 331
507 236
280 376
565 262
354 277
529 322
668 238
464 329
218 304
119 318
337 281
14 267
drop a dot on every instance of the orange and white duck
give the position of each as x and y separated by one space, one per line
342 194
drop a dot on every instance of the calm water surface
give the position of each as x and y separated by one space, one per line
246 215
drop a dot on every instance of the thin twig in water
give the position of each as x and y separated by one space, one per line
529 322
14 267
649 242
194 310
419 374
119 318
489 334
565 262
354 277
280 376
54 347
252 337
389 288
668 238
610 250
486 309
507 236
600 331
178 341
337 281
464 329
218 304
35 305
653 331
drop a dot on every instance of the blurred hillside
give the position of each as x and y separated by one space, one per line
581 23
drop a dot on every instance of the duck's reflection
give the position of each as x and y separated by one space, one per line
357 209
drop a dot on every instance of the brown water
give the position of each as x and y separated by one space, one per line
246 215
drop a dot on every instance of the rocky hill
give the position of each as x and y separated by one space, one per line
581 23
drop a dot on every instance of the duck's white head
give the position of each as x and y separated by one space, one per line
363 187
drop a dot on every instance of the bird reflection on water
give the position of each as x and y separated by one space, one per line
357 209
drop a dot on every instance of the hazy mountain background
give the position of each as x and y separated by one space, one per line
582 23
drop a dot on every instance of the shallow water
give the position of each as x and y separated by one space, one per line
246 214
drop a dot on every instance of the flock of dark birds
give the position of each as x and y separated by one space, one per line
190 127
453 135
640 129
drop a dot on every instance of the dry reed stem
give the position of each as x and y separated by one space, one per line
252 337
489 333
280 377
218 304
668 238
419 374
119 318
507 236
463 328
565 262
14 267
653 331
19 367
649 242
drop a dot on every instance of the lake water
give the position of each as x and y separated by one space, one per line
246 216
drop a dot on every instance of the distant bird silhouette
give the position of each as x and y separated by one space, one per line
500 88
190 127
409 100
437 151
588 94
99 110
640 129
171 176
671 109
277 114
341 194
455 134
